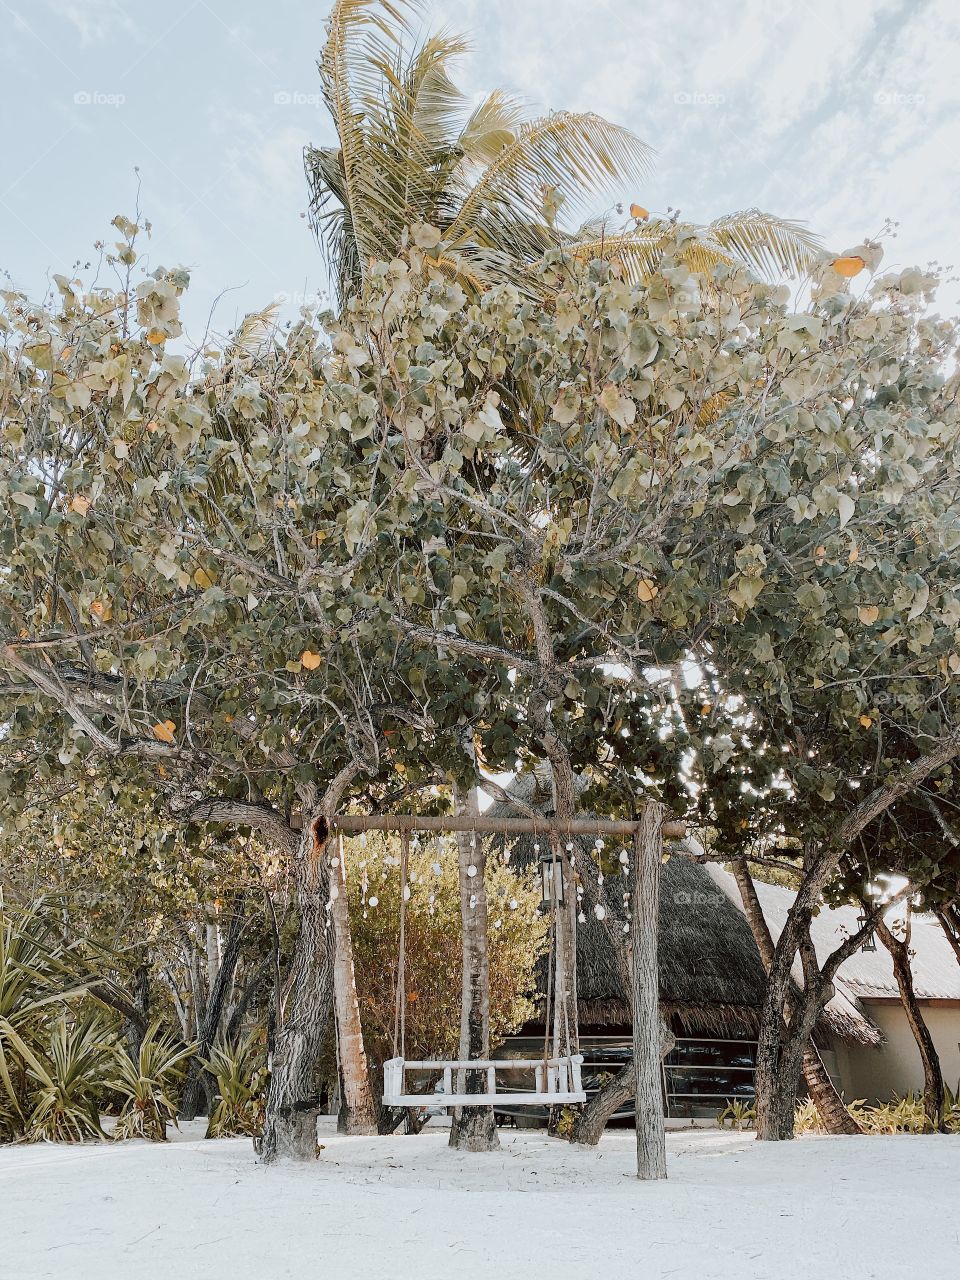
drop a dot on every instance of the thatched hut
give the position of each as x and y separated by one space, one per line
712 982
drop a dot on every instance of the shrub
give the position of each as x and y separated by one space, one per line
240 1069
71 1074
146 1084
737 1115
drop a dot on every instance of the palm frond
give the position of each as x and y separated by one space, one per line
765 242
575 153
492 127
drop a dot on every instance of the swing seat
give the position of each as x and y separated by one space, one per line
557 1082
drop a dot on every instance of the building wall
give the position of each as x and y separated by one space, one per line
877 1074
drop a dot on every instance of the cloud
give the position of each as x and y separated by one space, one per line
96 20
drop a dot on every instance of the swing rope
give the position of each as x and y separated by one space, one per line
400 998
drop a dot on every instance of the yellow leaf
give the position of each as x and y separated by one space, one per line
639 212
848 267
153 425
706 709
163 730
80 505
203 579
866 721
66 353
820 554
229 719
854 555
868 614
310 660
647 590
155 337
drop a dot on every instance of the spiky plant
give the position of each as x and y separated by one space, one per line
147 1082
71 1076
410 152
34 978
240 1069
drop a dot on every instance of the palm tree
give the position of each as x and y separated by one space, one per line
491 180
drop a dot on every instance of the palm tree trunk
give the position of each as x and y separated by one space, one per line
357 1111
933 1092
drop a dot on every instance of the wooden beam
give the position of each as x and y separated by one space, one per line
352 823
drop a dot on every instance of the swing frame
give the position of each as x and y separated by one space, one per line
558 1078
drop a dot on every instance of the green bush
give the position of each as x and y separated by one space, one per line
147 1084
240 1069
71 1075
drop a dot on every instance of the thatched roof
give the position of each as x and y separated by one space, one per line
711 979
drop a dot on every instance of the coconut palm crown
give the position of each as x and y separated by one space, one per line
492 181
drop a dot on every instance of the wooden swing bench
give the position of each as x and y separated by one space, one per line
557 1082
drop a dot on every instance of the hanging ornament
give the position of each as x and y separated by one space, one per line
626 928
569 846
471 871
598 844
599 912
473 901
498 923
536 846
363 840
437 869
624 858
599 877
513 904
374 900
582 918
406 893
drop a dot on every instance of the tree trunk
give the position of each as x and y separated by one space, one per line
293 1101
644 929
473 1128
357 1113
834 1116
593 1118
949 918
933 1093
199 1085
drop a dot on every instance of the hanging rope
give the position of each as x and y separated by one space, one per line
400 999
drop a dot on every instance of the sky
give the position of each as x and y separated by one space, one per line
841 113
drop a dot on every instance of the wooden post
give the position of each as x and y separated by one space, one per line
645 991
